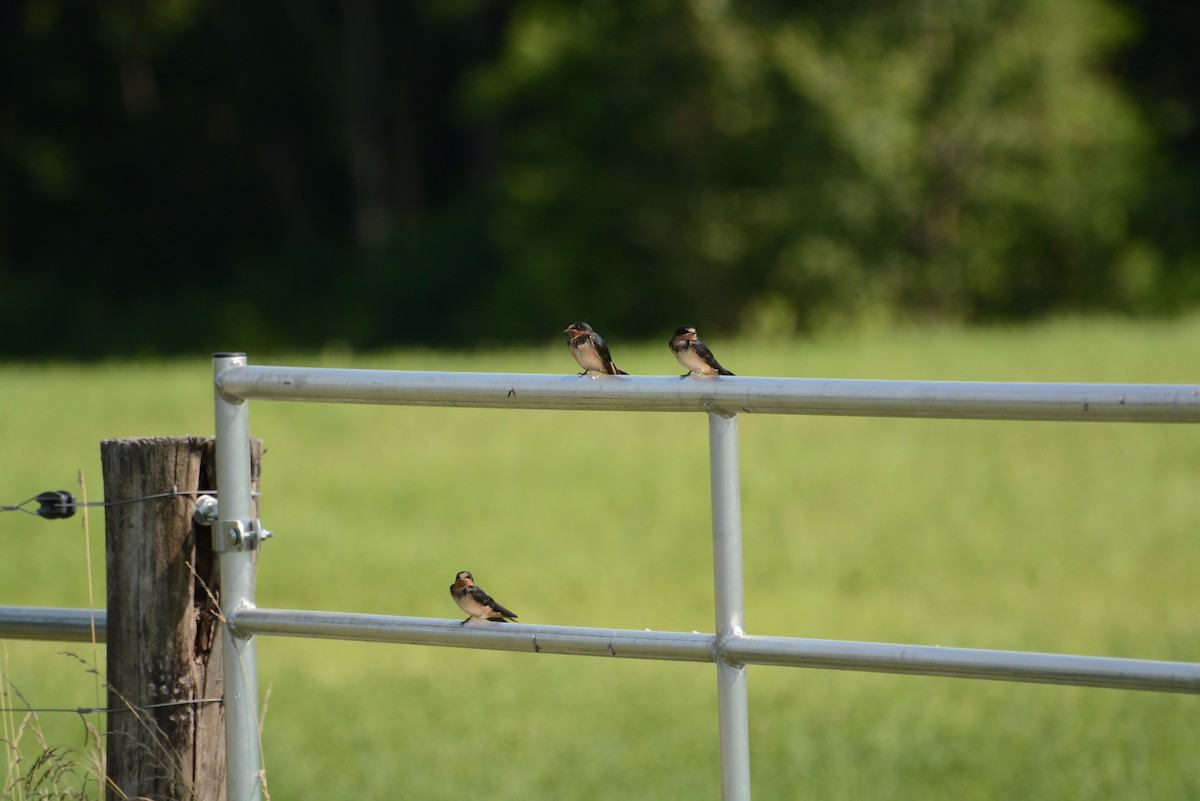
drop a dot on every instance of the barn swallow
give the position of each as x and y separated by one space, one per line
471 598
590 350
694 354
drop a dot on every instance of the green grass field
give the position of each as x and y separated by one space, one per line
1038 536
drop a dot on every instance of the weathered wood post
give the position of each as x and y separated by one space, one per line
164 647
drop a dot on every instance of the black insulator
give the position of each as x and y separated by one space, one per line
55 504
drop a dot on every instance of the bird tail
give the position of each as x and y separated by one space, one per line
723 371
619 371
501 613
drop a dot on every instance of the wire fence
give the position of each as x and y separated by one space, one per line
59 504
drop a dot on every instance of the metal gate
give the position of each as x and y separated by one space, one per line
237 534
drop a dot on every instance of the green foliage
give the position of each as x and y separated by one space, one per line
971 161
462 173
1039 536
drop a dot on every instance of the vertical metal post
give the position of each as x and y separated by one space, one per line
235 504
732 704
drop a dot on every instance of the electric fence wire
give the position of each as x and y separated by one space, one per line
89 710
58 504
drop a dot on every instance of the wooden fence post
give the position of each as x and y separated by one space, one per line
164 647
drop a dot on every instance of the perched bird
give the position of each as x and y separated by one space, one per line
471 598
694 354
590 350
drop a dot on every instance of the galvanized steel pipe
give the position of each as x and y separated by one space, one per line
722 399
243 751
733 706
622 643
679 646
969 663
1147 403
51 623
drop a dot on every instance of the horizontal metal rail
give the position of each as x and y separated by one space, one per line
969 663
75 625
628 643
1147 403
928 660
52 623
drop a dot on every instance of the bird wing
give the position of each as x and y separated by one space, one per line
704 353
483 599
605 356
602 349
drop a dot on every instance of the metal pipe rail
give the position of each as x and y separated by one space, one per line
722 399
235 538
679 646
1145 403
52 623
75 625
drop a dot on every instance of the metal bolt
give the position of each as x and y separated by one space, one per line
205 513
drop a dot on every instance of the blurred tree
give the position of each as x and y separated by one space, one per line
299 172
989 142
177 138
1160 70
286 171
740 162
